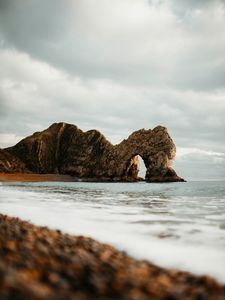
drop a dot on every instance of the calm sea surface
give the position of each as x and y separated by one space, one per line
178 225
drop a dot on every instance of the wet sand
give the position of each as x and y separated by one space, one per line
38 263
31 177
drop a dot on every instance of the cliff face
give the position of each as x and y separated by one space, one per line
10 163
65 149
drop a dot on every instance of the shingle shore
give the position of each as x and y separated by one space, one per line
38 263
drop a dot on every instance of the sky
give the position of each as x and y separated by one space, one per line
118 66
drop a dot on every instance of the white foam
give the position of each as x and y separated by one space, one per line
108 225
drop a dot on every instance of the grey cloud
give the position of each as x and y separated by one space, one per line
38 96
117 67
197 166
105 40
184 6
34 21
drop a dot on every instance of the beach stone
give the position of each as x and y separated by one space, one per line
77 267
65 149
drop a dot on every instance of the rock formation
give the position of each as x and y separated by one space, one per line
65 149
10 163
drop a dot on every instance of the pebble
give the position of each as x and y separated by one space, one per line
37 263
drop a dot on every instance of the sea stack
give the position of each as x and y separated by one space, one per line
89 156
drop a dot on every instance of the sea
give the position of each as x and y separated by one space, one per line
173 225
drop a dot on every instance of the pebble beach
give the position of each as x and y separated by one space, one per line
39 263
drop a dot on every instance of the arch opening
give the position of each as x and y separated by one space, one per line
136 168
141 167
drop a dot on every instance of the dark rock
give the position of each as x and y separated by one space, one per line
9 163
65 149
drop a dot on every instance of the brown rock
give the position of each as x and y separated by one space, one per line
10 163
65 149
37 263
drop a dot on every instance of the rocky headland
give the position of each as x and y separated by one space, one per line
89 156
37 263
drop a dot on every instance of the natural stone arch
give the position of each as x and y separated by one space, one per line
65 149
157 151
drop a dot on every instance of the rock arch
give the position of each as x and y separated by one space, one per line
65 149
157 151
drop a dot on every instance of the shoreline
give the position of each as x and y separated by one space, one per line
32 177
39 263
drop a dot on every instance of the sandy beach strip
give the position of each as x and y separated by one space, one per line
38 263
31 177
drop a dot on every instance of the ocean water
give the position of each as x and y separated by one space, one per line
175 225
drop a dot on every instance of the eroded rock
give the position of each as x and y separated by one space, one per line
10 163
65 149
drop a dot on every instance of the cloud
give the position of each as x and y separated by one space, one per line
33 92
117 66
10 139
183 152
126 41
185 7
194 163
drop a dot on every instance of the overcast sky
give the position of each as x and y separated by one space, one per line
118 66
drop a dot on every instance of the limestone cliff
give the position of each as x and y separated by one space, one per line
65 149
